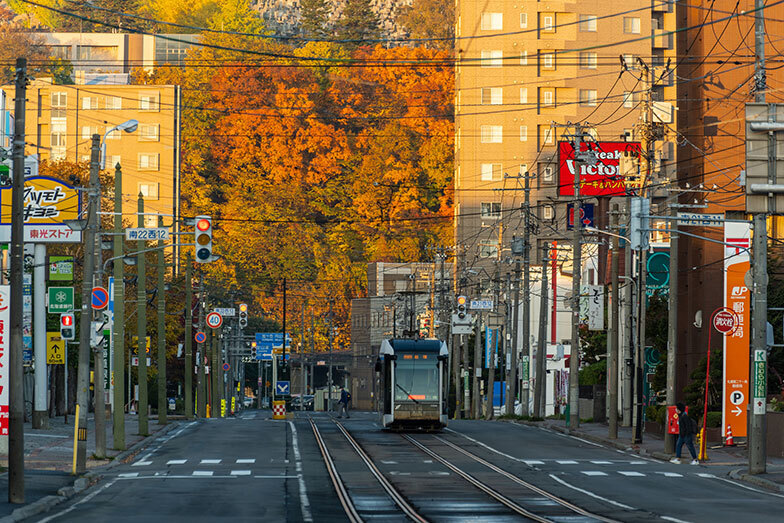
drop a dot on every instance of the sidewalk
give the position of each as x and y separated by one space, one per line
653 446
49 461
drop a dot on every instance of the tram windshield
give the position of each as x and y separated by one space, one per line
416 377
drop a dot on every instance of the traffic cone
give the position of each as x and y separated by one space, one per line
729 442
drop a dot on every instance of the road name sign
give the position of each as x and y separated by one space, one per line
61 299
226 312
481 305
142 233
99 298
696 219
214 320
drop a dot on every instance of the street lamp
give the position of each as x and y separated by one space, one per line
129 127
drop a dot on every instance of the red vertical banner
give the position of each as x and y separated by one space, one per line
5 362
737 297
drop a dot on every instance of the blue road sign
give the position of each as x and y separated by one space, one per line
282 387
100 298
267 341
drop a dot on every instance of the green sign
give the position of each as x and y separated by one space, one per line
760 379
61 268
526 368
61 299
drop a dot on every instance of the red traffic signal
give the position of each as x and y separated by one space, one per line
66 320
203 224
203 239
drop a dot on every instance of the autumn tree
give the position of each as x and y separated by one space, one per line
223 15
315 17
17 41
357 23
427 19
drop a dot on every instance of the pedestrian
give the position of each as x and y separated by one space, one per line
687 428
345 397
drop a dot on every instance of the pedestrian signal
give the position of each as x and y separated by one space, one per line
67 326
203 239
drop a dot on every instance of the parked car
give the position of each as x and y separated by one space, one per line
296 401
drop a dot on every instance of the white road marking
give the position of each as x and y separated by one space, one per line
248 460
586 441
631 473
593 473
128 475
202 473
592 494
670 474
532 462
741 485
428 461
141 463
638 463
277 477
83 500
303 493
602 462
704 475
387 462
488 447
176 461
674 520
396 473
240 473
566 462
45 436
210 461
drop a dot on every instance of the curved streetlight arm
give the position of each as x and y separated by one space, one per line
128 126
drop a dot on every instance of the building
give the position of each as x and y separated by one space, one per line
61 119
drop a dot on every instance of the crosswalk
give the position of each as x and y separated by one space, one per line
150 467
204 461
544 462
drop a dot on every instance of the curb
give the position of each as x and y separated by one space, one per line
754 479
85 481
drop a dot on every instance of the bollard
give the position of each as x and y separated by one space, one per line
278 410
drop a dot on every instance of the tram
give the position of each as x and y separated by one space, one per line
413 379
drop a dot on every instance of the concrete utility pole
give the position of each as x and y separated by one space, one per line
188 371
302 361
162 404
329 337
627 340
672 324
540 378
477 365
16 485
612 335
216 373
201 395
492 353
524 399
41 389
759 318
118 332
99 394
577 253
83 371
141 324
511 365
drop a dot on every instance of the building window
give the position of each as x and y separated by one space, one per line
628 99
523 169
524 58
492 58
491 210
148 133
523 20
546 173
113 161
59 104
148 102
113 103
489 170
547 135
90 102
548 213
588 23
548 61
488 249
588 60
523 95
631 24
492 96
548 97
492 21
492 134
148 161
58 141
588 97
523 133
88 132
548 23
114 135
149 190
630 60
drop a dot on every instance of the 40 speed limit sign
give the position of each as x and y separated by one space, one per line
214 320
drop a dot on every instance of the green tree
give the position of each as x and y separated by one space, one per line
430 19
357 23
315 15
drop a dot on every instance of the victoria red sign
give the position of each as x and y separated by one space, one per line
602 179
724 321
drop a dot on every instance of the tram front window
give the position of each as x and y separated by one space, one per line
416 377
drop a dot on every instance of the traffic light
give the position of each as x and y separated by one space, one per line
67 326
243 315
462 304
203 239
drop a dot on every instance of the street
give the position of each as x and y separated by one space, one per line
252 468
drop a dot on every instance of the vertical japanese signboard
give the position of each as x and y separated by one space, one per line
737 297
5 362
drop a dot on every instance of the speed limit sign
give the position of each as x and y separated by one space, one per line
214 320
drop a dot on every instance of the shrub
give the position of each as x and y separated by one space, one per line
714 419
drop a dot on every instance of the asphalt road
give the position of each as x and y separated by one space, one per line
255 469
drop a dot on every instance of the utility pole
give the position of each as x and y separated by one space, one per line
329 337
627 339
492 353
201 395
99 396
526 295
672 324
188 371
302 360
511 365
162 404
16 485
83 370
118 332
540 394
216 372
612 336
477 365
574 359
141 324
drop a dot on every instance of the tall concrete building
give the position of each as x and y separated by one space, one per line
525 70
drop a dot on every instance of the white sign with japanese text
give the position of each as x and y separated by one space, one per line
34 233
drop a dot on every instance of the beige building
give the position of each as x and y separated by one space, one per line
526 68
61 119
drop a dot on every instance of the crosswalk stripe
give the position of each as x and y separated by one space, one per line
593 473
533 462
129 475
602 462
247 460
141 463
210 461
630 473
566 462
202 473
176 461
240 473
638 463
670 474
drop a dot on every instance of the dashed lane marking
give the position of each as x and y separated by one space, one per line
141 463
210 461
602 462
532 462
202 473
246 460
670 474
630 473
176 461
565 462
240 473
593 473
592 494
